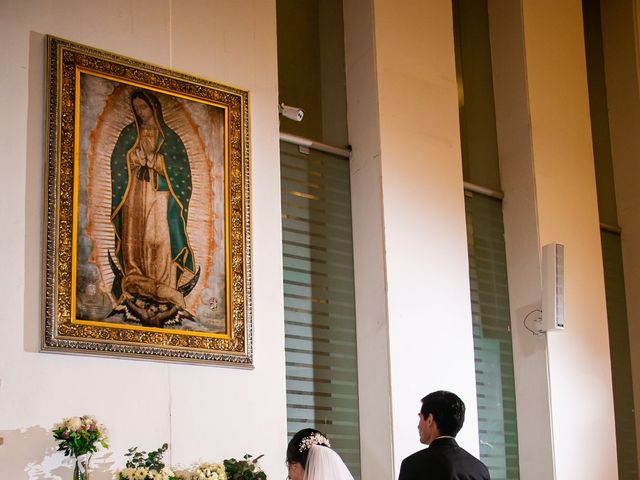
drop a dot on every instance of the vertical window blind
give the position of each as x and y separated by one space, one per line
492 337
620 355
320 328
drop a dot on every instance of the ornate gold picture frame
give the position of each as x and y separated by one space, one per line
147 211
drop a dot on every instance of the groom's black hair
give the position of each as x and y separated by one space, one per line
447 410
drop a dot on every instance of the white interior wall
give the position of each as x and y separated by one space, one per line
204 412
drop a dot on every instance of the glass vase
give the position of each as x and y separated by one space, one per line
81 468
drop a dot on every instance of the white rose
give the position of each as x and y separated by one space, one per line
75 424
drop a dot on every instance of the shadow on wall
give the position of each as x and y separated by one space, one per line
30 454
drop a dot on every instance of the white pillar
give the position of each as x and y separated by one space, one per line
550 196
412 278
620 45
535 436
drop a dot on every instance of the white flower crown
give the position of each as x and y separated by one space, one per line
314 439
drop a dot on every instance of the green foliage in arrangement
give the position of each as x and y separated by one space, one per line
146 466
246 469
150 461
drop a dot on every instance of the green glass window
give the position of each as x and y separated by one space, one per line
620 355
320 327
492 337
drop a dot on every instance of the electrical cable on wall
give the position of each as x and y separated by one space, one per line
537 321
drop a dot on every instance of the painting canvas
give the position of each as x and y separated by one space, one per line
147 211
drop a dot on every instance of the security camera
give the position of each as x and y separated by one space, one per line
292 113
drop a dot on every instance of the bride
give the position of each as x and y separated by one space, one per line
310 457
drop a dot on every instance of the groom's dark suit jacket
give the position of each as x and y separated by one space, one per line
443 460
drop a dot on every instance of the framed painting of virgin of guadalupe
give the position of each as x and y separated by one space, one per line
147 211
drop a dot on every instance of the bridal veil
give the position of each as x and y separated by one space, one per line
325 464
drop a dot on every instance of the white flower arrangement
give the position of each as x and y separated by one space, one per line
146 466
78 436
209 471
142 473
150 466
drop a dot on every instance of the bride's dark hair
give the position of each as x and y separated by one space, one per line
302 441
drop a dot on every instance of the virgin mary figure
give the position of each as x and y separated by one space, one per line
150 193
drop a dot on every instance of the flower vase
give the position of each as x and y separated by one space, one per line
81 468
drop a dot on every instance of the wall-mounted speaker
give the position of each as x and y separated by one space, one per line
552 287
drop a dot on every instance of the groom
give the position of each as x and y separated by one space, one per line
441 418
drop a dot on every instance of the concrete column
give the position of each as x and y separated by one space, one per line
412 278
368 238
535 436
620 42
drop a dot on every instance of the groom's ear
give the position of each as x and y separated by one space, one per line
432 422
